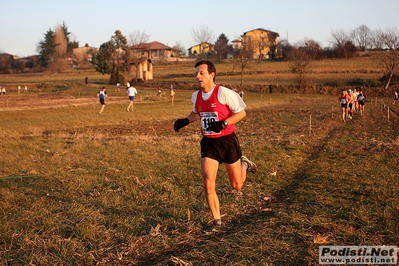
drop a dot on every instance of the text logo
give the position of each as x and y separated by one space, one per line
358 255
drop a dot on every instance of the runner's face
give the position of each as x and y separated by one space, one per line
205 80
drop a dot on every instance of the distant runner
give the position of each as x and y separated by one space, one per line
360 99
356 93
396 97
102 94
131 91
172 96
344 100
351 105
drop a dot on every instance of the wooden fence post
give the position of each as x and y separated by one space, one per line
188 189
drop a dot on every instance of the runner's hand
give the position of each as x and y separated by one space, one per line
217 126
179 123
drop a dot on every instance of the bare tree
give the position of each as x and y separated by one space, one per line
282 48
242 57
61 41
178 46
361 36
388 59
202 35
299 62
338 39
375 40
312 48
138 37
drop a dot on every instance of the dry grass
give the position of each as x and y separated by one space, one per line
82 189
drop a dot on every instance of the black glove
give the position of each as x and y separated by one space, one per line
179 123
217 126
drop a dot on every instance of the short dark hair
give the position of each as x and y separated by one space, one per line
211 67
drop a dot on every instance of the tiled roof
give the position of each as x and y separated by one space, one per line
152 46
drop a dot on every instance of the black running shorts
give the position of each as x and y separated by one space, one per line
224 149
102 101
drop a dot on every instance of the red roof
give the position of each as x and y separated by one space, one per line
152 46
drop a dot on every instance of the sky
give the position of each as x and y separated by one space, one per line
24 22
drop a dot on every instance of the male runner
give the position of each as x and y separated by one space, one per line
219 109
102 94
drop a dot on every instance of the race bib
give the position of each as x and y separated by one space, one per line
207 118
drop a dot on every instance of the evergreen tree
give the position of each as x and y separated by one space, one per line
113 58
102 60
47 49
222 47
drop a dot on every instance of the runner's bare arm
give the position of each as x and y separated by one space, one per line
193 117
236 117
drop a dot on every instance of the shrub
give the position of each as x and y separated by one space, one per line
363 83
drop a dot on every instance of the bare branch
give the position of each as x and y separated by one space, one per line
138 37
361 36
202 34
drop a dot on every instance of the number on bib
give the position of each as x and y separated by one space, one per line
207 118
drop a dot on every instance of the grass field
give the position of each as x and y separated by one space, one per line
78 188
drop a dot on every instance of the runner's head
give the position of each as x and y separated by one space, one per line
210 65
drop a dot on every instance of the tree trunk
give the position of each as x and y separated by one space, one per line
242 73
389 80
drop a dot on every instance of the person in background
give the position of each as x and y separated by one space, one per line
344 99
360 99
241 94
396 97
102 94
131 91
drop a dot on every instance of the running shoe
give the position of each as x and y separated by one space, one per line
213 228
251 165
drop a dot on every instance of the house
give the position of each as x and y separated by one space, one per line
202 48
156 52
237 43
263 42
84 53
140 69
